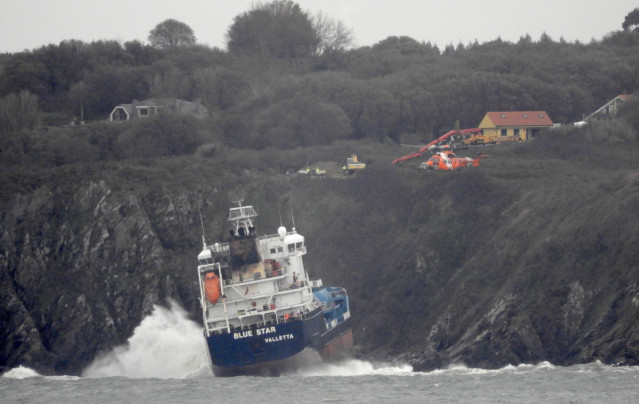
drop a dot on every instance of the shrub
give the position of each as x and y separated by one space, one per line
613 131
160 136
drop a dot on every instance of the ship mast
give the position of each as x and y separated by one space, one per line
241 218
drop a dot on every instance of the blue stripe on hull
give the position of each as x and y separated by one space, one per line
263 344
244 351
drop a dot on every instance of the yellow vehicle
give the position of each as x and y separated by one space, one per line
352 164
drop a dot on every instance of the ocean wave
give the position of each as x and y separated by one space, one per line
23 372
166 345
355 367
596 366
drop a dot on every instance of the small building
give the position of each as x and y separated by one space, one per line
153 106
609 109
513 125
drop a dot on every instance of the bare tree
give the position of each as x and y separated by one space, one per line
332 34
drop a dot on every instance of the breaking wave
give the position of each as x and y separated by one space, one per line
355 367
165 345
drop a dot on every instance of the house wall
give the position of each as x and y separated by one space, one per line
493 133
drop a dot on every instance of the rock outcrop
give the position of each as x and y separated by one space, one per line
487 268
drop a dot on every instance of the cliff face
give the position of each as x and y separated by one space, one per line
79 272
525 259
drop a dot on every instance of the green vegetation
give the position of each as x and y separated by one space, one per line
274 91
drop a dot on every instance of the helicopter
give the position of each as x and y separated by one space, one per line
434 146
447 161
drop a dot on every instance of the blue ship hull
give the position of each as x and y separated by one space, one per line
272 348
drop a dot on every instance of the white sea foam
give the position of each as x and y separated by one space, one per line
20 372
165 345
355 367
23 372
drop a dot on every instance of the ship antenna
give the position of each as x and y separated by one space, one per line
202 224
279 210
292 216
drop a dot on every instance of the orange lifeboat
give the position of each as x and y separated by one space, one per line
212 287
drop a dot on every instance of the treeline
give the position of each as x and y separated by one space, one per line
304 86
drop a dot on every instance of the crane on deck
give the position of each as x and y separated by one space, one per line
443 138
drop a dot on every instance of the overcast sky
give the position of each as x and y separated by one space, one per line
30 24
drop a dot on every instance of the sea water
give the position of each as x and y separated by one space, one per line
165 361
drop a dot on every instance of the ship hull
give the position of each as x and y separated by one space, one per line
272 349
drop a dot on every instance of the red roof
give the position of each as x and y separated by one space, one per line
520 118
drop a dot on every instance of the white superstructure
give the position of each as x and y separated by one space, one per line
253 281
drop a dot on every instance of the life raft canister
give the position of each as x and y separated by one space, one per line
212 287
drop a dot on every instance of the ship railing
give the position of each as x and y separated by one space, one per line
280 315
292 288
257 277
206 268
219 247
270 236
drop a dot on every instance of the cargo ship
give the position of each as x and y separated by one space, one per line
261 311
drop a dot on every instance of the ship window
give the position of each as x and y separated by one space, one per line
273 250
299 245
291 247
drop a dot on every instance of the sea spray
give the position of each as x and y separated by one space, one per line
165 345
354 367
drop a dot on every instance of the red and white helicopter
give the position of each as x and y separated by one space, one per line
444 160
447 161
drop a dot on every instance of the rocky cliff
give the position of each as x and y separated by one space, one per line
531 257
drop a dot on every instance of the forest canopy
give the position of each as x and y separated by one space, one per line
291 79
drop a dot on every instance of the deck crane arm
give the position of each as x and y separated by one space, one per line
440 139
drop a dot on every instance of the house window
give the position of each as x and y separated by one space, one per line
504 132
516 131
143 112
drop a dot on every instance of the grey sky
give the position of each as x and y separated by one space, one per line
29 24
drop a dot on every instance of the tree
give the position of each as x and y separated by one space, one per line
274 30
18 111
332 35
171 34
300 121
166 134
631 22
